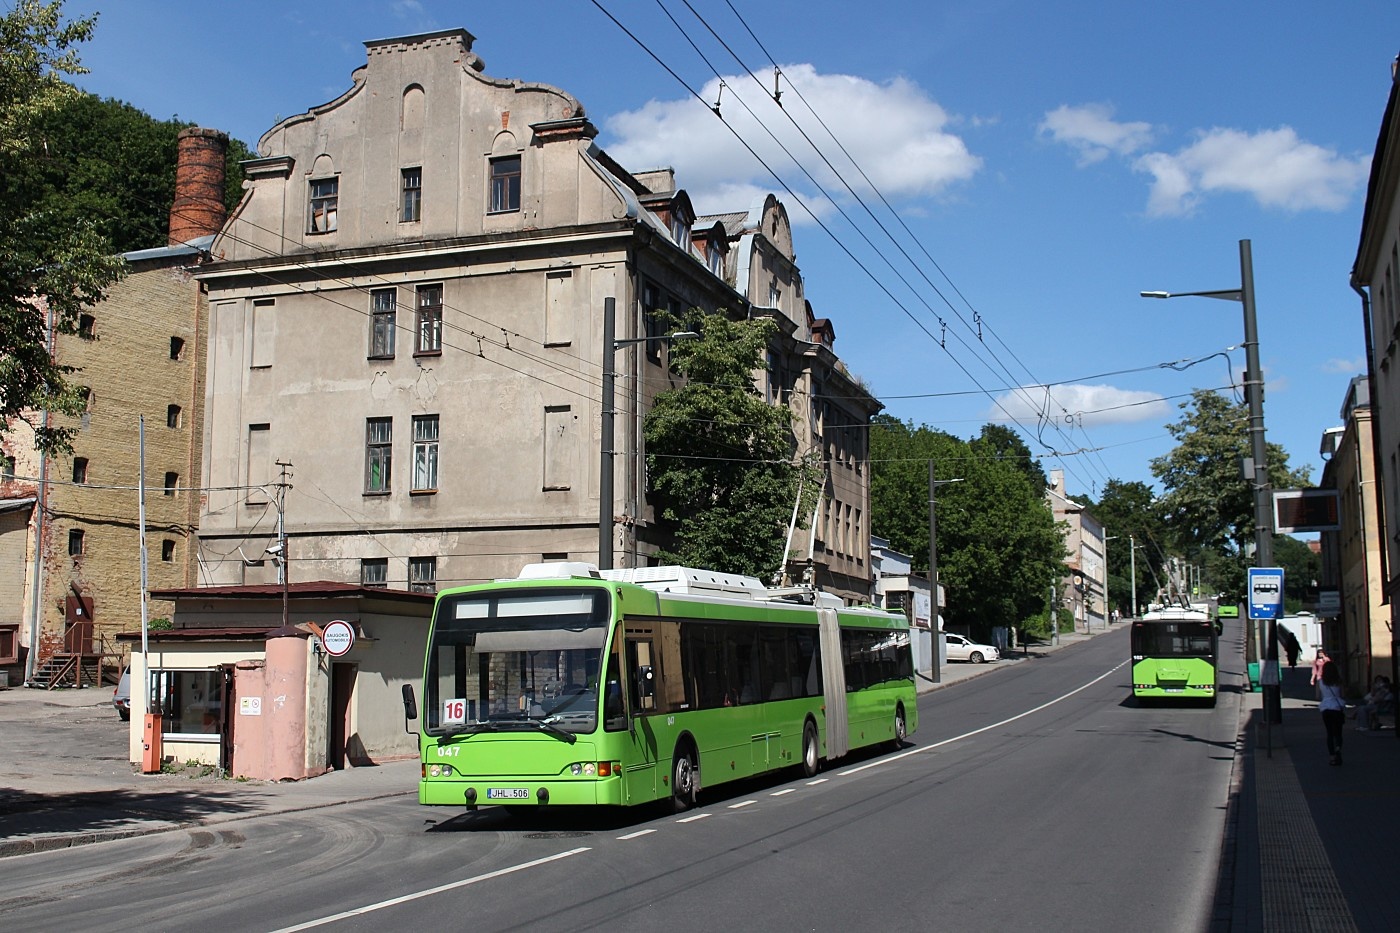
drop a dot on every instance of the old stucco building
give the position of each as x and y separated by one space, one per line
1083 592
1351 556
406 351
1376 277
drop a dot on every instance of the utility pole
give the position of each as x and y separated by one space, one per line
280 558
1132 570
933 485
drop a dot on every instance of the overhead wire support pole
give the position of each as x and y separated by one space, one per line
934 623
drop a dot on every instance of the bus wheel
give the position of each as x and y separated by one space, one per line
685 779
901 730
811 752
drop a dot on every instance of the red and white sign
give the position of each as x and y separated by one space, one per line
338 638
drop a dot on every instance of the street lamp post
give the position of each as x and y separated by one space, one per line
1258 469
937 639
605 475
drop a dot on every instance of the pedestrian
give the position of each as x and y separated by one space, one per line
1334 709
1318 663
1291 647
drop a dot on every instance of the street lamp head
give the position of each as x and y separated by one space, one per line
683 335
1155 294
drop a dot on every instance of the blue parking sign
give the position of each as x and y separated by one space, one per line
1265 592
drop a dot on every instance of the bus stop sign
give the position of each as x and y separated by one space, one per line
1265 592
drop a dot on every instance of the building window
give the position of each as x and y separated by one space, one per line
325 195
172 483
259 471
167 550
87 326
177 348
76 542
680 231
411 183
379 436
172 416
189 702
653 303
505 184
9 644
714 258
80 465
374 571
422 574
264 332
425 453
7 467
384 320
429 320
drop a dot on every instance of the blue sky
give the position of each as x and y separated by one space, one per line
1046 163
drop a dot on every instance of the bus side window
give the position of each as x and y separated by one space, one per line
614 712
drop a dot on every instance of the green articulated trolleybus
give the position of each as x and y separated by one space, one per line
1174 654
567 686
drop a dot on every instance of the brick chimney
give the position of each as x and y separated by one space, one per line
199 184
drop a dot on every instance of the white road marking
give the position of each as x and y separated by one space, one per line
742 803
640 832
788 790
888 759
817 781
692 819
395 901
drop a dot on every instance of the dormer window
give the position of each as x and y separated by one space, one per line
680 230
714 259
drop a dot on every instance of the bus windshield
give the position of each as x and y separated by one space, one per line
1173 640
519 660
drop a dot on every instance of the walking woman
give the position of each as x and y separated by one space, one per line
1334 709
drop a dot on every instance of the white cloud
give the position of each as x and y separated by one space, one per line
1275 167
898 135
1342 367
1091 130
1085 406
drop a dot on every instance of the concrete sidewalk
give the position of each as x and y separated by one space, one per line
65 779
1314 845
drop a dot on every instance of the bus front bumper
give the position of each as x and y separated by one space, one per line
507 791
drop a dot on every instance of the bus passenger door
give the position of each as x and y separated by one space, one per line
644 697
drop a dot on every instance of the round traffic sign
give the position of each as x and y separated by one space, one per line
338 638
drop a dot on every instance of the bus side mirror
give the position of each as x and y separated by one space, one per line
646 681
410 708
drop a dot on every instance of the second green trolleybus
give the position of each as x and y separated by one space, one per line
570 686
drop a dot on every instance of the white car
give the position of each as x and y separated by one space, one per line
963 649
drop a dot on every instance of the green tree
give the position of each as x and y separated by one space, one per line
1130 513
112 164
722 467
52 265
999 549
1209 503
1302 570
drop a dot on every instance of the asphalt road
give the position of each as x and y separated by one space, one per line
1039 797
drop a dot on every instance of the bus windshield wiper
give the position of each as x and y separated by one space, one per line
553 730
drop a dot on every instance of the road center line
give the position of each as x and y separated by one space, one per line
395 901
888 759
640 832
